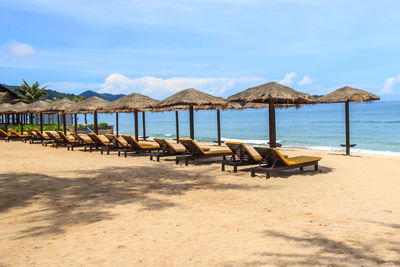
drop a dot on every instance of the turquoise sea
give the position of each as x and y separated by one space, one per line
375 127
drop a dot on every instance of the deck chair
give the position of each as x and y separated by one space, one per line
5 136
32 136
55 138
194 151
119 145
241 156
166 149
273 161
70 143
136 147
82 141
43 138
17 135
99 143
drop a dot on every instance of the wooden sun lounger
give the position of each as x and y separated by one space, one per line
17 135
70 143
99 143
43 138
274 161
33 137
82 141
118 144
241 156
166 149
136 147
5 136
194 151
55 138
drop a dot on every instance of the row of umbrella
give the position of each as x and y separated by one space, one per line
269 95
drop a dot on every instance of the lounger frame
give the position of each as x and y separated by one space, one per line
272 162
240 156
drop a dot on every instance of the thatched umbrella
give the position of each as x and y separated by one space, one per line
90 105
272 94
36 107
62 105
189 99
348 94
132 103
5 109
19 109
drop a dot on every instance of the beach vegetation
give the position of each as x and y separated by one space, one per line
30 93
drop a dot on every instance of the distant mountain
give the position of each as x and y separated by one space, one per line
106 96
51 94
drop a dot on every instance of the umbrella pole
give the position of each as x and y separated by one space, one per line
22 123
96 130
144 125
64 122
58 121
76 122
347 128
41 122
177 125
136 126
191 122
116 124
6 122
272 126
219 126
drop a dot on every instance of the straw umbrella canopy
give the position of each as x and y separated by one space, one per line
189 98
36 107
348 94
132 103
272 93
61 105
90 105
5 110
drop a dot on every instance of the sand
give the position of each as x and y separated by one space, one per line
63 208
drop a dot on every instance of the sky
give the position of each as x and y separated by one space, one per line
158 47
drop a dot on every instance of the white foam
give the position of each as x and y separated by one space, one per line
168 134
353 150
247 141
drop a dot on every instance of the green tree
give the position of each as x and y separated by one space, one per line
29 94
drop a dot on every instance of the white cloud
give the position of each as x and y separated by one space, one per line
17 49
288 79
389 84
118 83
306 80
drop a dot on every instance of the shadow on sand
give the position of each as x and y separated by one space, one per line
90 196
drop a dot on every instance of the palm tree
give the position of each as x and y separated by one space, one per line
79 98
29 94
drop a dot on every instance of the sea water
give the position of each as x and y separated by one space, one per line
374 127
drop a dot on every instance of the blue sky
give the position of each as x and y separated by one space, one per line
219 46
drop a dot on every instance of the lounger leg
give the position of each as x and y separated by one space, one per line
84 148
234 168
67 148
301 169
158 158
151 157
316 167
125 153
186 161
253 173
101 151
222 167
177 161
72 148
119 153
267 175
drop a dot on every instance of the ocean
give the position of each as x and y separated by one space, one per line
375 126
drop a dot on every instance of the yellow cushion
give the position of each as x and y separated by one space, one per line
301 159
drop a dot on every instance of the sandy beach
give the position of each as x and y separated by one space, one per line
63 208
